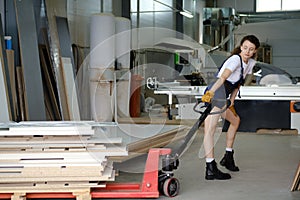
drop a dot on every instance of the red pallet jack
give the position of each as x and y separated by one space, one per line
155 181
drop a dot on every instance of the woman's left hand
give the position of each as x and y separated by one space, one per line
231 107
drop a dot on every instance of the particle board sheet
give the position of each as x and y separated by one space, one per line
34 96
63 171
56 141
63 131
108 175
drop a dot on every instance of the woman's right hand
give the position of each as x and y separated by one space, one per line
207 97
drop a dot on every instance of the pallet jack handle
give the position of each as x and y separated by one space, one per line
171 162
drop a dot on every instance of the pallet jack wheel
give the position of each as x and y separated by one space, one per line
171 187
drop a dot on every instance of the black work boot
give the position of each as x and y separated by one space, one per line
212 172
228 162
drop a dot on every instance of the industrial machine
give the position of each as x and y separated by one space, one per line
274 95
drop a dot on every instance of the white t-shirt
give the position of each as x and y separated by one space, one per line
234 64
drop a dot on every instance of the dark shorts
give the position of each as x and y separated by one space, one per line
222 93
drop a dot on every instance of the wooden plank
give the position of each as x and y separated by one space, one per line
296 181
54 131
65 40
28 188
67 66
49 84
47 132
64 171
20 164
67 63
52 157
70 178
21 97
49 112
18 196
49 156
48 186
12 80
44 32
34 95
57 141
53 148
57 8
70 88
5 73
49 128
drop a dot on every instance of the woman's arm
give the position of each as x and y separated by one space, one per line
226 73
207 97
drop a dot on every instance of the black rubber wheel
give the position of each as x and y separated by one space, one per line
171 187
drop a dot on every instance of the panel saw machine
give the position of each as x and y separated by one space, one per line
273 106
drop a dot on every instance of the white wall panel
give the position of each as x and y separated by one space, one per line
283 37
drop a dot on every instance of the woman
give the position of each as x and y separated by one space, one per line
230 77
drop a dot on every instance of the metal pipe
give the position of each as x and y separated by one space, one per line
279 15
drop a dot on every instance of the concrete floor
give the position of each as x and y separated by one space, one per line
267 167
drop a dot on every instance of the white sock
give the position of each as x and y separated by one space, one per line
209 160
229 149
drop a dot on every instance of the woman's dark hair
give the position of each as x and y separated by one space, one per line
251 38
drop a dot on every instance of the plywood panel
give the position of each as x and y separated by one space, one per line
34 95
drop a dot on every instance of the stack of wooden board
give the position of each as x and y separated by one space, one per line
55 158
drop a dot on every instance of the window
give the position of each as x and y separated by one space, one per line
153 13
277 5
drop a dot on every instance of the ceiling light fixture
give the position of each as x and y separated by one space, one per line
186 13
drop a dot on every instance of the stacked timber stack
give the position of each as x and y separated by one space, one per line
55 158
